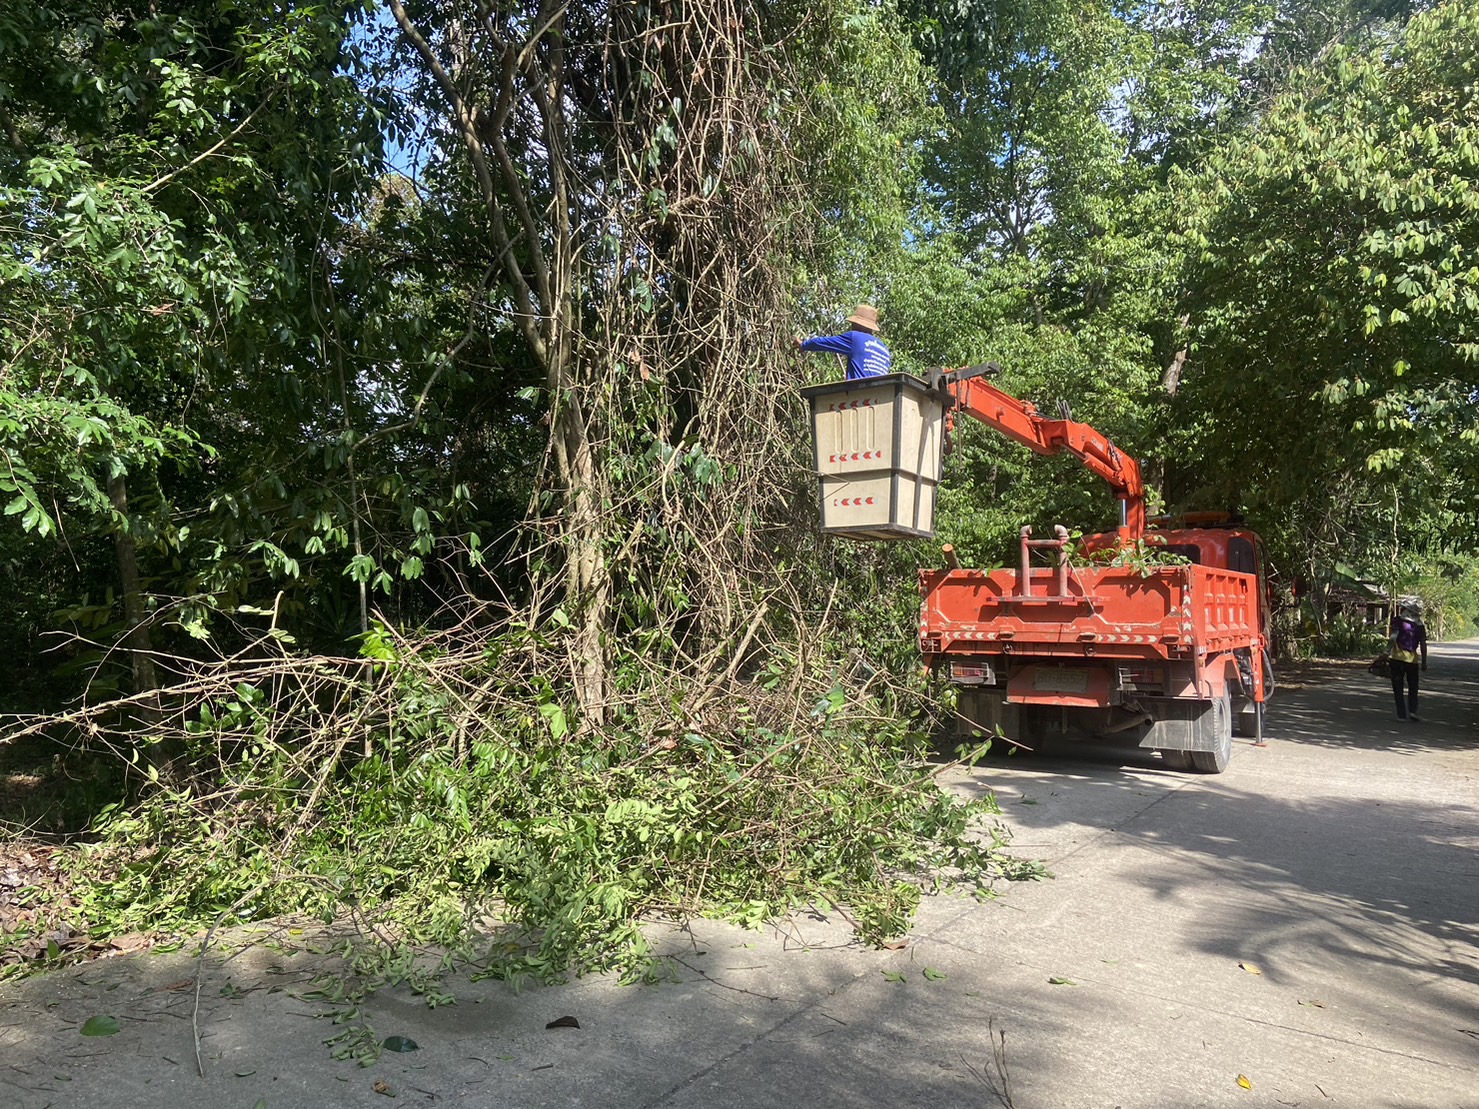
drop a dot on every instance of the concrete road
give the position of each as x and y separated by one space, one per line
1305 923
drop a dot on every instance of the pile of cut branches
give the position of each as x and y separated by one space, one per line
437 783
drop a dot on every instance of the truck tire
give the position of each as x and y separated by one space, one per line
1214 730
1179 761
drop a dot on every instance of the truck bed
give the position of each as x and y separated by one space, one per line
1107 612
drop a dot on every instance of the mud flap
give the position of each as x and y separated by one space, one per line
1182 726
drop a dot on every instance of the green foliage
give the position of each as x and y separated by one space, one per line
1335 302
1143 556
571 841
949 312
200 298
858 118
1448 585
1348 637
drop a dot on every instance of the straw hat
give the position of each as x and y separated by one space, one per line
866 317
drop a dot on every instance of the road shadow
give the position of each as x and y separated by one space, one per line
1338 854
1357 711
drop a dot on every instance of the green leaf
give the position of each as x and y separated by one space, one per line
554 715
100 1026
892 975
933 975
360 568
1061 982
399 1043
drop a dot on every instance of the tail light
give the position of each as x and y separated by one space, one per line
974 673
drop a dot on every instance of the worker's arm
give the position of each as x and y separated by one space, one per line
834 344
1422 642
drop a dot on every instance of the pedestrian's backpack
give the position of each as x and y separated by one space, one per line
1406 635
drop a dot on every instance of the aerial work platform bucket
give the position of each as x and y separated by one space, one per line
877 443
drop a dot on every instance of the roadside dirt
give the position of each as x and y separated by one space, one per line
1309 672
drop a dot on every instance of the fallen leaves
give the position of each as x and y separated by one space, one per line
127 944
399 1043
1245 1082
1062 982
1251 968
40 918
383 1087
563 1022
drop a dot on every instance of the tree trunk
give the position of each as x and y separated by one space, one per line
136 640
588 587
535 250
162 755
587 584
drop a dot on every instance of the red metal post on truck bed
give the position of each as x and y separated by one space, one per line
1020 420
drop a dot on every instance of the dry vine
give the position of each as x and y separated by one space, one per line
643 207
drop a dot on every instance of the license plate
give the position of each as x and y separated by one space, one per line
1061 679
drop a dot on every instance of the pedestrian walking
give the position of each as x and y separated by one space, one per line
1408 651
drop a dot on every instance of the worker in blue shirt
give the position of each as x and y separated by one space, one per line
865 352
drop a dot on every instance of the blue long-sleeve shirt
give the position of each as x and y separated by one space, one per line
866 354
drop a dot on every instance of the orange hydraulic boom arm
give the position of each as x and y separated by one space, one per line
1020 420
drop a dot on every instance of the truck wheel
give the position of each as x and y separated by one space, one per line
1215 726
1176 760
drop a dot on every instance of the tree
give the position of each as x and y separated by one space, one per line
160 190
646 180
1334 299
